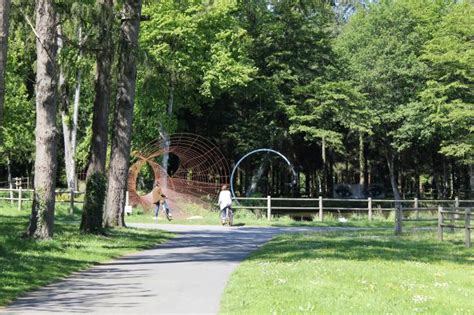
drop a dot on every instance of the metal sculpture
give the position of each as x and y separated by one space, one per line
256 151
201 171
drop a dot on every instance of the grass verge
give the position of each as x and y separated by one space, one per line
195 215
370 272
28 264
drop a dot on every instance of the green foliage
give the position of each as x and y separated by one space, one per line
19 123
93 204
382 45
193 52
448 95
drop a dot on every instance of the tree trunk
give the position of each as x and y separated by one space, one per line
164 133
325 167
120 153
10 180
69 126
4 23
362 171
330 176
417 182
471 181
42 214
98 151
393 181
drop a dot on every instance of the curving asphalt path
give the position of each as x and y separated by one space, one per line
186 275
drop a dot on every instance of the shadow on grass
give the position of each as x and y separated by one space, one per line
26 264
363 247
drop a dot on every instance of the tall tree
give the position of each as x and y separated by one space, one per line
4 24
42 214
448 97
92 216
98 150
120 152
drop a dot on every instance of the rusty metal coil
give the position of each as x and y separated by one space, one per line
201 172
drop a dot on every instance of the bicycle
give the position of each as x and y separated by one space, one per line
229 217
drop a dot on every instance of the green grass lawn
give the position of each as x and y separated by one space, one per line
370 272
27 264
243 217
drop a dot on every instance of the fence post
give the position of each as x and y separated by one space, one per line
467 227
269 207
416 205
456 206
398 219
320 208
369 201
440 223
19 198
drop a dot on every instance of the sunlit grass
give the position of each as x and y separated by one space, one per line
355 273
196 215
26 264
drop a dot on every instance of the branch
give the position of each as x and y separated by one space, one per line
37 37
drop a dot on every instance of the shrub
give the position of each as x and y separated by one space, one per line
93 204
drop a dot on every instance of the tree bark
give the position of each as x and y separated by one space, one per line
69 126
98 150
120 153
390 156
4 23
42 214
10 180
471 181
362 179
325 167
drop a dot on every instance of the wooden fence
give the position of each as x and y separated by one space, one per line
20 195
321 206
455 215
318 209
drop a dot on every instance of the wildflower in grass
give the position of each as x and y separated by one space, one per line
420 299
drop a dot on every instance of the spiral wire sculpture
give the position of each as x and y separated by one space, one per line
201 172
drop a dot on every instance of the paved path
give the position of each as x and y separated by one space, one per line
185 275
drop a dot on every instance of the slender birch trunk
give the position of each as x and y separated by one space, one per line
120 153
69 125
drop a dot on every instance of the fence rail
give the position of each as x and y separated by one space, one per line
324 205
399 207
452 212
19 196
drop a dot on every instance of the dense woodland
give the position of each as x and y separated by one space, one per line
350 91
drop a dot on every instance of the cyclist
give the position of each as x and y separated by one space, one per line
225 201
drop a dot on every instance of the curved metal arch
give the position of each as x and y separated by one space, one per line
253 152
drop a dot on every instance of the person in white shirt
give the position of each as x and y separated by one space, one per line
225 201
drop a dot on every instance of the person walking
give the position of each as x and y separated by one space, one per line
159 200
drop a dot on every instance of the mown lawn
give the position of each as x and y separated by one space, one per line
27 264
370 272
243 217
